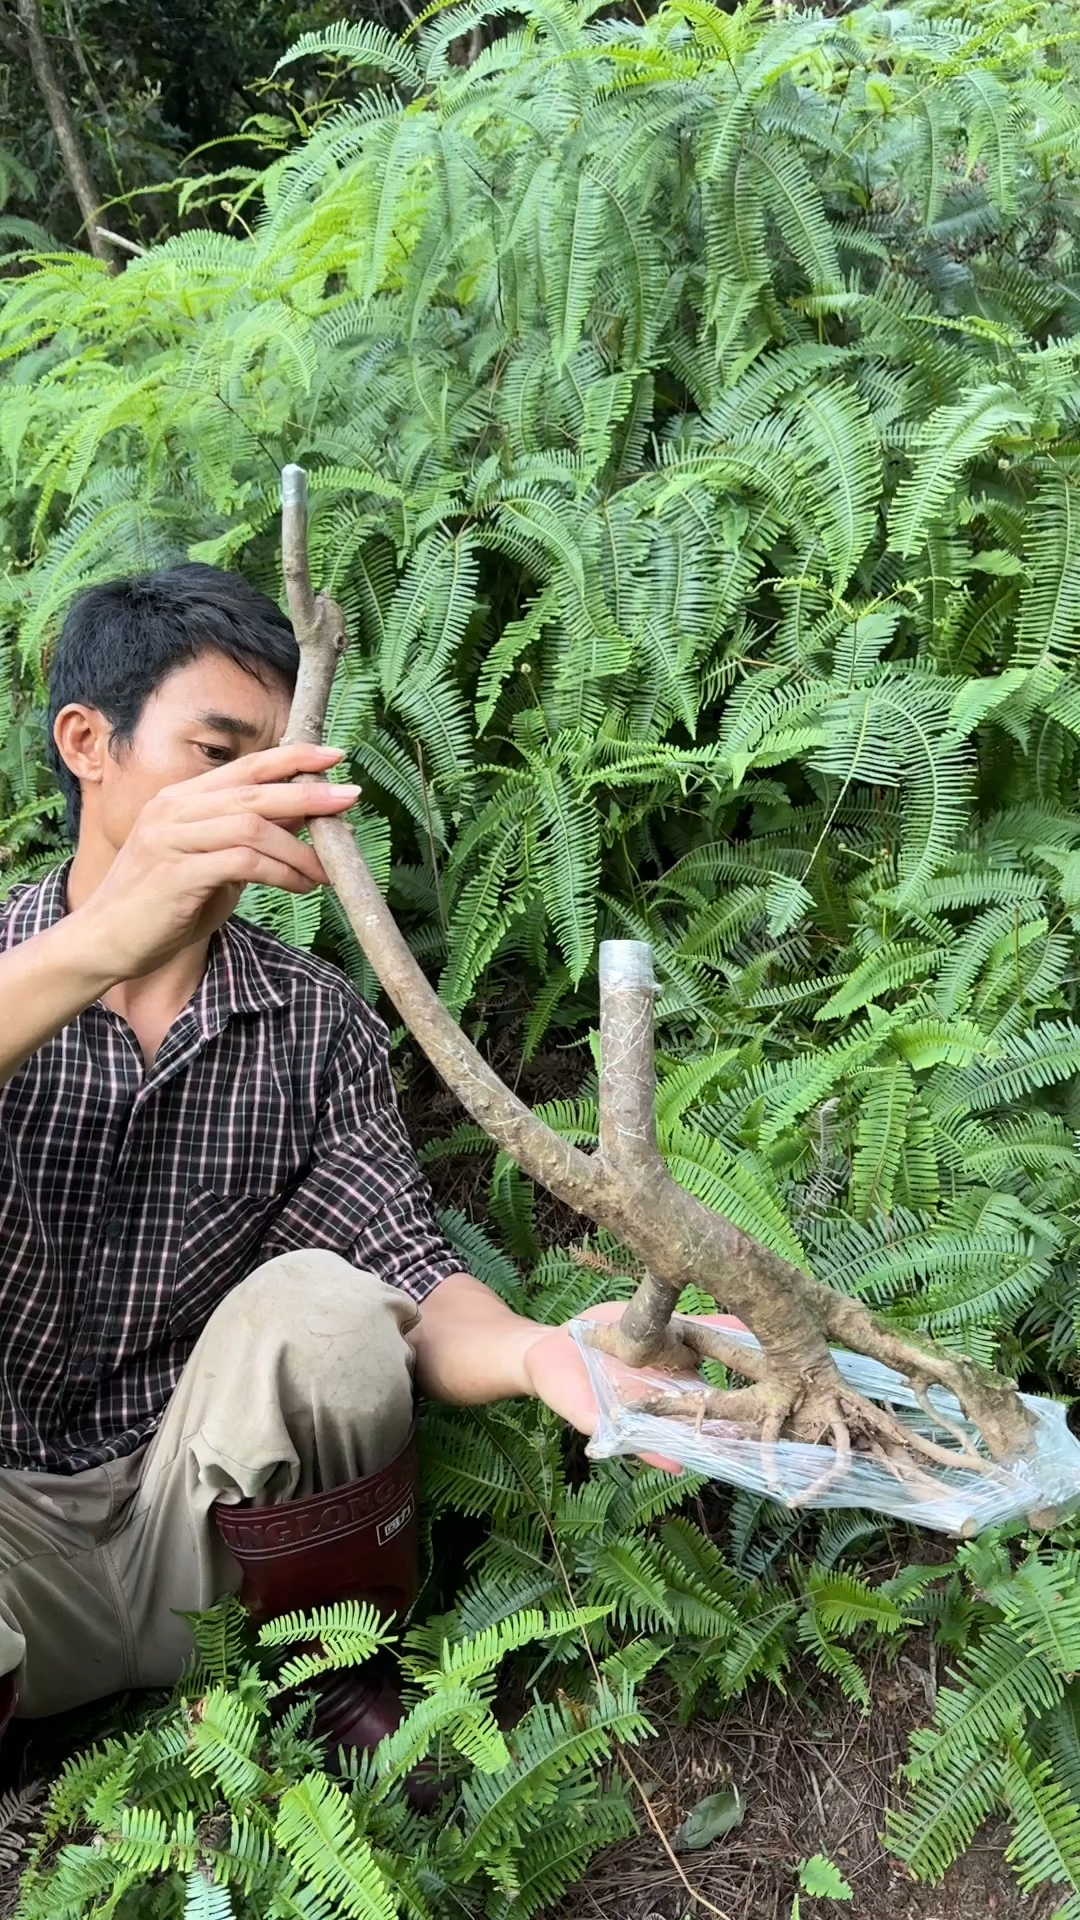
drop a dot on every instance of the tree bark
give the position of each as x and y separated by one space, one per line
58 108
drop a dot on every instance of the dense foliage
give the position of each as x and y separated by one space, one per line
702 502
219 1805
691 411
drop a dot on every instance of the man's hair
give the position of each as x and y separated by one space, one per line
122 640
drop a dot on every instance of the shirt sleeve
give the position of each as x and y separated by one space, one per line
364 1195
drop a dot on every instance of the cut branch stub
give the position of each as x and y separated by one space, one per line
318 621
627 1069
626 1187
628 1134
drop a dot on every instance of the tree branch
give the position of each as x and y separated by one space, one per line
57 106
627 1072
317 621
626 1187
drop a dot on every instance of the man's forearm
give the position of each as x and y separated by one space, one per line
45 983
470 1347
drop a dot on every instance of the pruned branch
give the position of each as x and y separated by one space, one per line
318 621
628 1071
628 1131
626 1186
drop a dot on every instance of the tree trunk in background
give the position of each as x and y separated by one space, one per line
72 151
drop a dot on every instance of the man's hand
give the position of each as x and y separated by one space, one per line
192 851
556 1373
470 1348
196 846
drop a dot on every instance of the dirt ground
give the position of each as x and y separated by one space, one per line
814 1779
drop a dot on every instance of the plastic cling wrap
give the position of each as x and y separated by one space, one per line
950 1500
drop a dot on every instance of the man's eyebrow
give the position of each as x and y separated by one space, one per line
229 723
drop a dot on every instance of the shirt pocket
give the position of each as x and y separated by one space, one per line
219 1247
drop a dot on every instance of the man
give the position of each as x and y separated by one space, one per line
220 1275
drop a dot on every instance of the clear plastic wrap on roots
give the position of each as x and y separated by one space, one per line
948 1499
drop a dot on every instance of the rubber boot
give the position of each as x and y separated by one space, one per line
357 1542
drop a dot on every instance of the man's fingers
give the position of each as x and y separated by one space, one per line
245 867
251 830
274 763
661 1461
302 801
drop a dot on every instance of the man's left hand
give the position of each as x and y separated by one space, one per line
557 1374
471 1349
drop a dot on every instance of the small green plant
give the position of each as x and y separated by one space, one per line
821 1878
220 1807
1005 1736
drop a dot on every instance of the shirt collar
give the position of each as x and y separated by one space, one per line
42 906
237 978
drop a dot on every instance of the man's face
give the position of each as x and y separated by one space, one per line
204 715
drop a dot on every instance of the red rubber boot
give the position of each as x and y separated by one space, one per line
357 1542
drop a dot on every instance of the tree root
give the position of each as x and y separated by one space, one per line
811 1402
679 1350
766 1414
795 1388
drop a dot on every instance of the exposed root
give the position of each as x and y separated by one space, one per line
679 1351
673 1355
990 1402
896 1432
835 1472
907 1473
814 1407
797 1393
735 1406
711 1343
938 1418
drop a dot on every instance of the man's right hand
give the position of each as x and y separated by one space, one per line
197 845
192 851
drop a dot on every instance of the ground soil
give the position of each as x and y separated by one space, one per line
816 1777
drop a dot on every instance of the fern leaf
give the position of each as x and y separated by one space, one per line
205 1901
316 1830
364 43
1050 603
568 865
954 436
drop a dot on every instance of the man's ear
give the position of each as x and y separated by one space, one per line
82 741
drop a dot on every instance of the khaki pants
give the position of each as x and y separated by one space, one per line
301 1380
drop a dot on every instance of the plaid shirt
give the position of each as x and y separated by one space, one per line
132 1201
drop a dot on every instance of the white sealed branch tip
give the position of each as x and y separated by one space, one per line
293 487
626 963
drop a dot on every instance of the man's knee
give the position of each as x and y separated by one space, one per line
310 1299
333 1334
